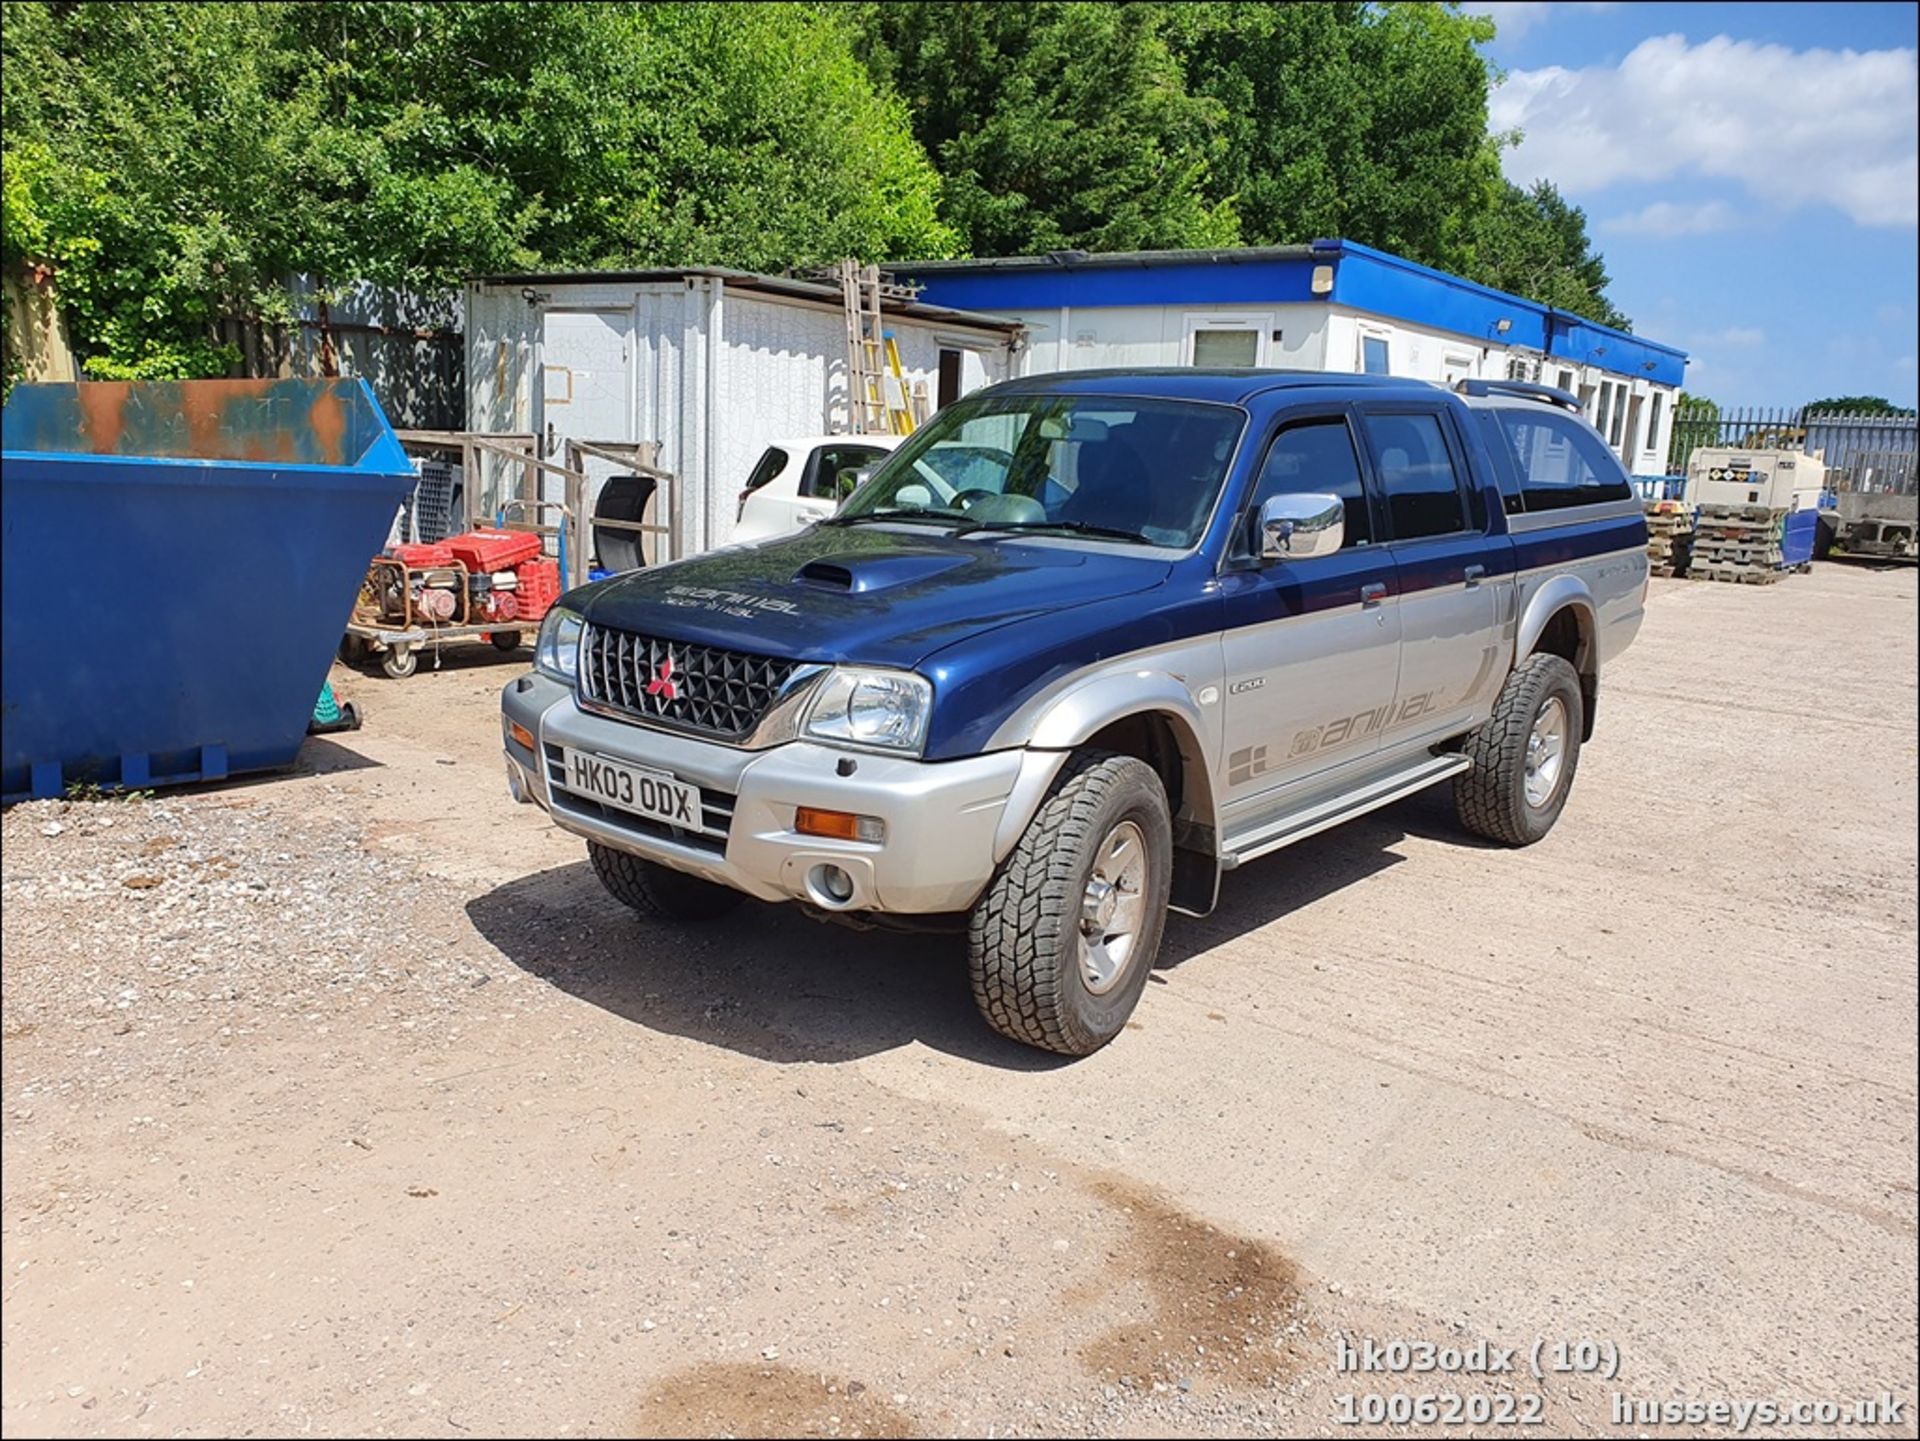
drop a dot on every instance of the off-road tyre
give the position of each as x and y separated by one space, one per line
1023 936
1491 796
658 892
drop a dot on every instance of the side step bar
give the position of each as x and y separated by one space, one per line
1327 814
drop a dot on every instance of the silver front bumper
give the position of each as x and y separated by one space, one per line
944 831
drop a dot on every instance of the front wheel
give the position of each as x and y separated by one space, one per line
1524 755
400 661
1060 946
658 892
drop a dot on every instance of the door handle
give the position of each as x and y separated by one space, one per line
1373 592
1476 574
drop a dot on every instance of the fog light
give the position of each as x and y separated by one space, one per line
833 885
519 734
839 825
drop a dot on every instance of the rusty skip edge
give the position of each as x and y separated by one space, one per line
332 422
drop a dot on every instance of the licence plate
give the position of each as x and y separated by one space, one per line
644 793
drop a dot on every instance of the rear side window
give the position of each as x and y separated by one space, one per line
1562 462
1317 456
1416 475
768 466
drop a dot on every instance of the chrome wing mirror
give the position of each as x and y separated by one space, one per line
1301 527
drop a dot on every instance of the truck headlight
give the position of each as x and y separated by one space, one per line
883 708
558 652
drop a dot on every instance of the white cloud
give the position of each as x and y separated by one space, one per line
1794 127
1668 217
1741 335
1515 18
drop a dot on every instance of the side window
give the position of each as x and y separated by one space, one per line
1561 461
1416 475
831 463
1373 356
1317 455
767 467
1226 347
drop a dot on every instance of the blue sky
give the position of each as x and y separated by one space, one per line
1749 172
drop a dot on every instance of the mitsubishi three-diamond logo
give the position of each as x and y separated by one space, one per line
663 684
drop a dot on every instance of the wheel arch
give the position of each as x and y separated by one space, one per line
1561 619
1153 717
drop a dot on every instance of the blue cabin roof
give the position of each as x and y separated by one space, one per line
1362 279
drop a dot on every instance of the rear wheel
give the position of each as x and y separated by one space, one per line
1060 946
659 892
505 639
1525 755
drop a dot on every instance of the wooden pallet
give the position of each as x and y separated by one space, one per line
1743 574
1757 555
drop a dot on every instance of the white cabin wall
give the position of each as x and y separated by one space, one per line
1125 336
780 370
500 332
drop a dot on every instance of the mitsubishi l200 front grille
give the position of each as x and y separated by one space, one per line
721 693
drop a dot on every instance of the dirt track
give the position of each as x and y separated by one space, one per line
406 1128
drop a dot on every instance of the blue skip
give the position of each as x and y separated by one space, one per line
180 558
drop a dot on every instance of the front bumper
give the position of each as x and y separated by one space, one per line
944 831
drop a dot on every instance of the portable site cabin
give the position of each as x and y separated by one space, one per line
710 363
1332 306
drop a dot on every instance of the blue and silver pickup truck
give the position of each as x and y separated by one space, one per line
1147 627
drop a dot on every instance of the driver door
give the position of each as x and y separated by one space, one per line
1311 647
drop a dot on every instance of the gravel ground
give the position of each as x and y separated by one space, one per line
347 1103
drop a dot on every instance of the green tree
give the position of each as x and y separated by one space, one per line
1696 422
1534 244
1054 124
1362 121
114 117
670 134
175 163
1856 405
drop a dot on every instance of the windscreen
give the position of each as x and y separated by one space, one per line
1110 467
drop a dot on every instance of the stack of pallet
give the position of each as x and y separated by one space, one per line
1669 536
1738 543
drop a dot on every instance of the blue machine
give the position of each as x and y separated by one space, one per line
180 558
1797 536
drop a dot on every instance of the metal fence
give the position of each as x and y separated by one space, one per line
1862 452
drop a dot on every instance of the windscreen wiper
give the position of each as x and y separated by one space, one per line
932 513
1073 527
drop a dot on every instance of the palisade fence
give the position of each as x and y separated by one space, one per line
1862 452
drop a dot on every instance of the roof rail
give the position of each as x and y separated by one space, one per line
1524 390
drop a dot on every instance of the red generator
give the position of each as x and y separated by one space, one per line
491 550
422 556
538 589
